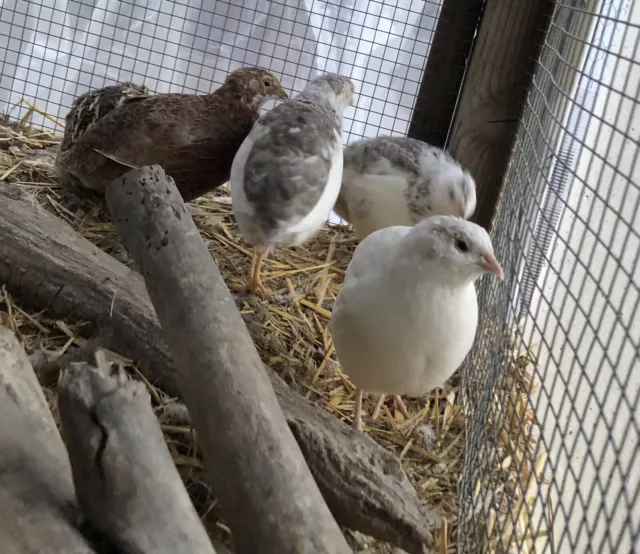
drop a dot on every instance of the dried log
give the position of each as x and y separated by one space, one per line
221 548
37 500
60 271
127 484
267 493
48 368
363 484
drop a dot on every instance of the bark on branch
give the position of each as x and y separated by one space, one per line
127 484
266 490
45 262
37 501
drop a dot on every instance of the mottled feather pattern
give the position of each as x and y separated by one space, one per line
157 129
288 167
391 155
94 105
399 151
193 137
85 111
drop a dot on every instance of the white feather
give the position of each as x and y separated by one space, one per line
398 332
242 209
374 253
375 201
114 158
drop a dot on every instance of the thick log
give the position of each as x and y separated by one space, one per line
127 484
359 480
43 261
37 500
266 490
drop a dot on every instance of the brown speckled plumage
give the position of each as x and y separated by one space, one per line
86 110
94 105
193 137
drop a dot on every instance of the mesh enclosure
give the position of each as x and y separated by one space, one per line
552 461
51 51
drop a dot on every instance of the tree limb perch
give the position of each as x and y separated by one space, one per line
256 467
126 482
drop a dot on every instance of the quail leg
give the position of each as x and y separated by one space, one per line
357 416
398 401
401 406
254 284
376 411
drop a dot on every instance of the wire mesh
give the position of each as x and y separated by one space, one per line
552 390
51 51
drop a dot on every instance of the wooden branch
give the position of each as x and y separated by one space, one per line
255 465
493 95
443 74
363 484
37 500
48 368
127 484
43 261
359 479
221 548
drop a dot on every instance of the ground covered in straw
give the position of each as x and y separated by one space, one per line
289 330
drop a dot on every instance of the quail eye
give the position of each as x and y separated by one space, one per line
267 84
462 245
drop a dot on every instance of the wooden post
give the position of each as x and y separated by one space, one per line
494 93
256 467
446 64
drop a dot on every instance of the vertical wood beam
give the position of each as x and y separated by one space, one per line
443 75
494 93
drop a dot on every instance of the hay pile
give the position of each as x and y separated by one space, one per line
289 330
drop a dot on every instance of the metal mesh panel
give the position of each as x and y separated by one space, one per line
52 51
552 388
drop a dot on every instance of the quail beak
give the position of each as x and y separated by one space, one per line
489 264
282 95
